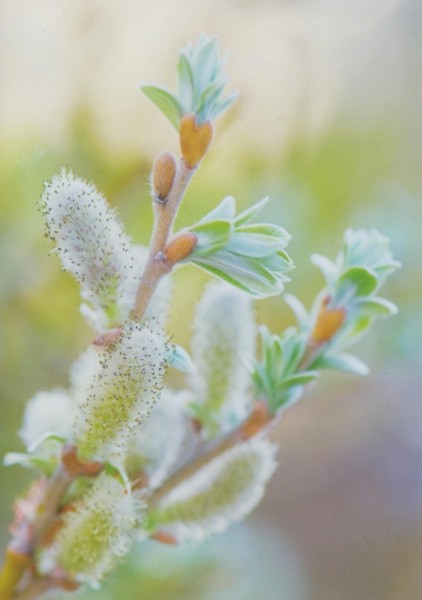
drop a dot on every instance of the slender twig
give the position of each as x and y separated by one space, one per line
24 543
47 510
164 215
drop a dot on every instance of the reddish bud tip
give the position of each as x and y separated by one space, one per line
164 538
196 425
108 337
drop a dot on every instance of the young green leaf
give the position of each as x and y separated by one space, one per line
341 362
375 307
354 282
249 256
277 376
167 102
201 84
212 236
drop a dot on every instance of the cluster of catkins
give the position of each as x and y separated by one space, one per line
117 410
141 459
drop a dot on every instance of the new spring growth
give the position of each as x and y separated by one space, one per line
201 84
117 423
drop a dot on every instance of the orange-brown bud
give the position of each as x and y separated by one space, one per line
164 538
163 174
194 140
180 247
328 322
61 580
74 467
67 585
196 425
259 418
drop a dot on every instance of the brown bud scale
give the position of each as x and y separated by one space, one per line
108 338
180 247
328 322
194 140
163 174
73 465
164 538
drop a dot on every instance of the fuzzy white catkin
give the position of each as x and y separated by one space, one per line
117 390
223 340
98 532
223 492
93 246
158 442
49 412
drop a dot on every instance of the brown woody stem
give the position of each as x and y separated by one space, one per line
164 216
23 545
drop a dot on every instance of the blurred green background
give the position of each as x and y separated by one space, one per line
328 124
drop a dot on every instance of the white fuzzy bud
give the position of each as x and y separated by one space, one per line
93 246
117 392
98 532
222 492
223 340
157 444
47 413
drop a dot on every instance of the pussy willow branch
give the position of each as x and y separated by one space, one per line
47 510
61 480
164 215
25 541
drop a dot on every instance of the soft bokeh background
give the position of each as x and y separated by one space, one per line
328 123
